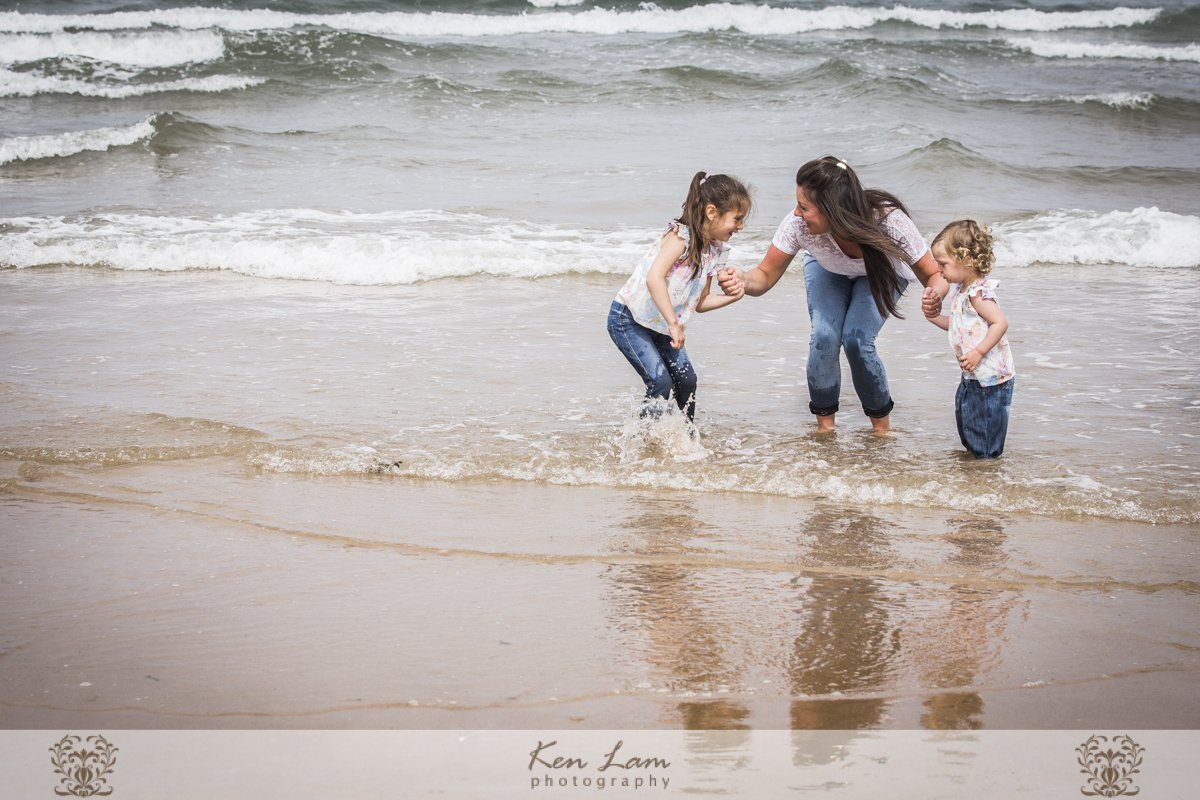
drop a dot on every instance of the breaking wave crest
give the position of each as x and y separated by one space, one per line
752 19
407 247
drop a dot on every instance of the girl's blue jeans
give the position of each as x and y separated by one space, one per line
665 371
982 416
844 315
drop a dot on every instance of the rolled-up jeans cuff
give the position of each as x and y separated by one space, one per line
879 413
823 411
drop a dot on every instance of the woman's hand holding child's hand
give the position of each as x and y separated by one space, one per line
731 282
931 302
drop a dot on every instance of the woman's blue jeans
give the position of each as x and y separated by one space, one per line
665 370
844 315
982 416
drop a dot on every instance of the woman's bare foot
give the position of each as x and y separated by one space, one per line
880 426
825 423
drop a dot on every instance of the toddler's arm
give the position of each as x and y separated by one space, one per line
990 311
711 302
931 306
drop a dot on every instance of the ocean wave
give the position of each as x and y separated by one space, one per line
945 155
636 458
142 49
165 132
22 84
752 19
1144 237
392 248
408 247
948 159
1119 100
29 148
1053 48
638 454
1178 24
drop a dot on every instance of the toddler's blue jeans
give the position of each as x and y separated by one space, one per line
982 416
665 370
844 315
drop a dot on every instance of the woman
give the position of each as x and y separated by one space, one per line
862 252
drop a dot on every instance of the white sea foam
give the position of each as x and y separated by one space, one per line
27 148
707 471
22 84
142 49
343 248
1122 100
1130 100
405 247
1055 48
755 19
1144 237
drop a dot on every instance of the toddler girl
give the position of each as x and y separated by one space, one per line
963 252
646 320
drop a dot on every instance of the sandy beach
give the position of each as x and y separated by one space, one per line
205 595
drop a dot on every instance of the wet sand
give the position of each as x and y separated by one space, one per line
206 593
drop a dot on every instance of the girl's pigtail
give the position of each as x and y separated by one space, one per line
693 218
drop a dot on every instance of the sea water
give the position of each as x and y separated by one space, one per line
382 237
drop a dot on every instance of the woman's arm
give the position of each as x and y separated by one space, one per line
926 270
936 288
711 302
656 283
760 279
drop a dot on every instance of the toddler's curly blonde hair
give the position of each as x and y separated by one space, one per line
968 243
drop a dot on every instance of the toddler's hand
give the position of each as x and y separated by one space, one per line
970 360
931 302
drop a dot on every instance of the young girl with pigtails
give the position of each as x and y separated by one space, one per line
649 314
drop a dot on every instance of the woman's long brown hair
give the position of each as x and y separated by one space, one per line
855 214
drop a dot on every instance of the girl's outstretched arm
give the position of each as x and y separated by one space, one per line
711 302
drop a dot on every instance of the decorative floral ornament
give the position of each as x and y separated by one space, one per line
84 772
1110 771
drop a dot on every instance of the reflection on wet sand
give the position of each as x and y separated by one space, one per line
820 632
847 639
686 644
965 637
